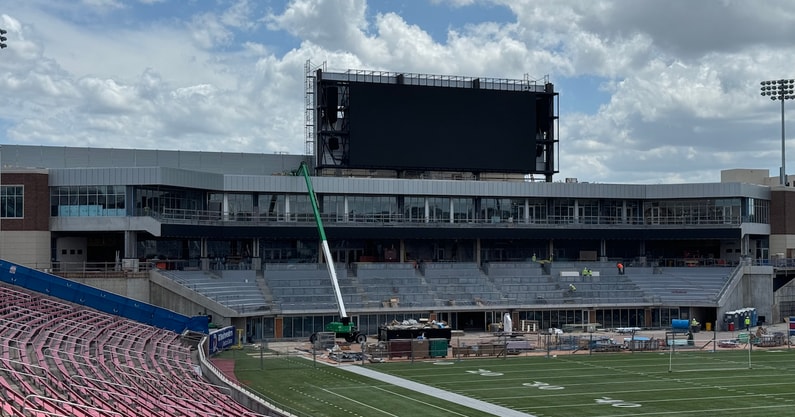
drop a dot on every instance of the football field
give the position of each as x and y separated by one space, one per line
686 383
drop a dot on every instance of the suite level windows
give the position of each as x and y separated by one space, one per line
87 201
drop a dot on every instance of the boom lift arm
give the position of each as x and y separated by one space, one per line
304 170
344 328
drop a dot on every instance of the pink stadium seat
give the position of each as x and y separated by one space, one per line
90 363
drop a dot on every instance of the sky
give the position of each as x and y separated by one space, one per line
651 92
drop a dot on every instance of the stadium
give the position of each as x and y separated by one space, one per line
116 264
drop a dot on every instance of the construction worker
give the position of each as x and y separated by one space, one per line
586 272
572 288
620 268
748 323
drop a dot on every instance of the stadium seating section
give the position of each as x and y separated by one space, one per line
59 359
301 288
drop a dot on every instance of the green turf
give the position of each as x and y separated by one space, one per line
638 384
319 390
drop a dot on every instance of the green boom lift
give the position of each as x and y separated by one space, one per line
343 328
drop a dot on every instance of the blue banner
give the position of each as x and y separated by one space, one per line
221 339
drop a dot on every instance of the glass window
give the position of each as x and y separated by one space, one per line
300 208
537 210
372 208
439 209
758 211
463 210
588 211
562 211
240 203
12 202
612 212
414 209
693 211
88 201
634 214
333 208
240 206
168 200
270 206
496 210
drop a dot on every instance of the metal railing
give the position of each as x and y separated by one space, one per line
96 269
208 217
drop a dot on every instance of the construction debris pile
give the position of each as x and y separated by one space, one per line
414 329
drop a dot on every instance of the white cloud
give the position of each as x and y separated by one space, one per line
103 4
332 24
677 83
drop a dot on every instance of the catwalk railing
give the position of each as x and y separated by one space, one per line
209 217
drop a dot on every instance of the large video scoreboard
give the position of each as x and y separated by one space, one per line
431 123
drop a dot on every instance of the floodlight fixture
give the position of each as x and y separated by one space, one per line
782 89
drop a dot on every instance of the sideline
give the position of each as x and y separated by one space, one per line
436 392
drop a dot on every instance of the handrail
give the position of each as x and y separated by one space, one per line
221 377
247 218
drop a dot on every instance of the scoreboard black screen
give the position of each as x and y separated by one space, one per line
412 127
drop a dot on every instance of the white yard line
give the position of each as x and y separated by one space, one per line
421 402
438 393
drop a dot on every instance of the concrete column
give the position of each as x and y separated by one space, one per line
130 244
624 212
603 250
225 208
427 211
204 260
256 260
287 208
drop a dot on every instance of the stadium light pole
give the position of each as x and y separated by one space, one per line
3 45
781 90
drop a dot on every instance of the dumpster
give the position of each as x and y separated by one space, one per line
438 348
399 347
419 348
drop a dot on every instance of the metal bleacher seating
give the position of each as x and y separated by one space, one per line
300 287
691 285
525 284
461 283
307 287
393 285
235 289
59 359
521 283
